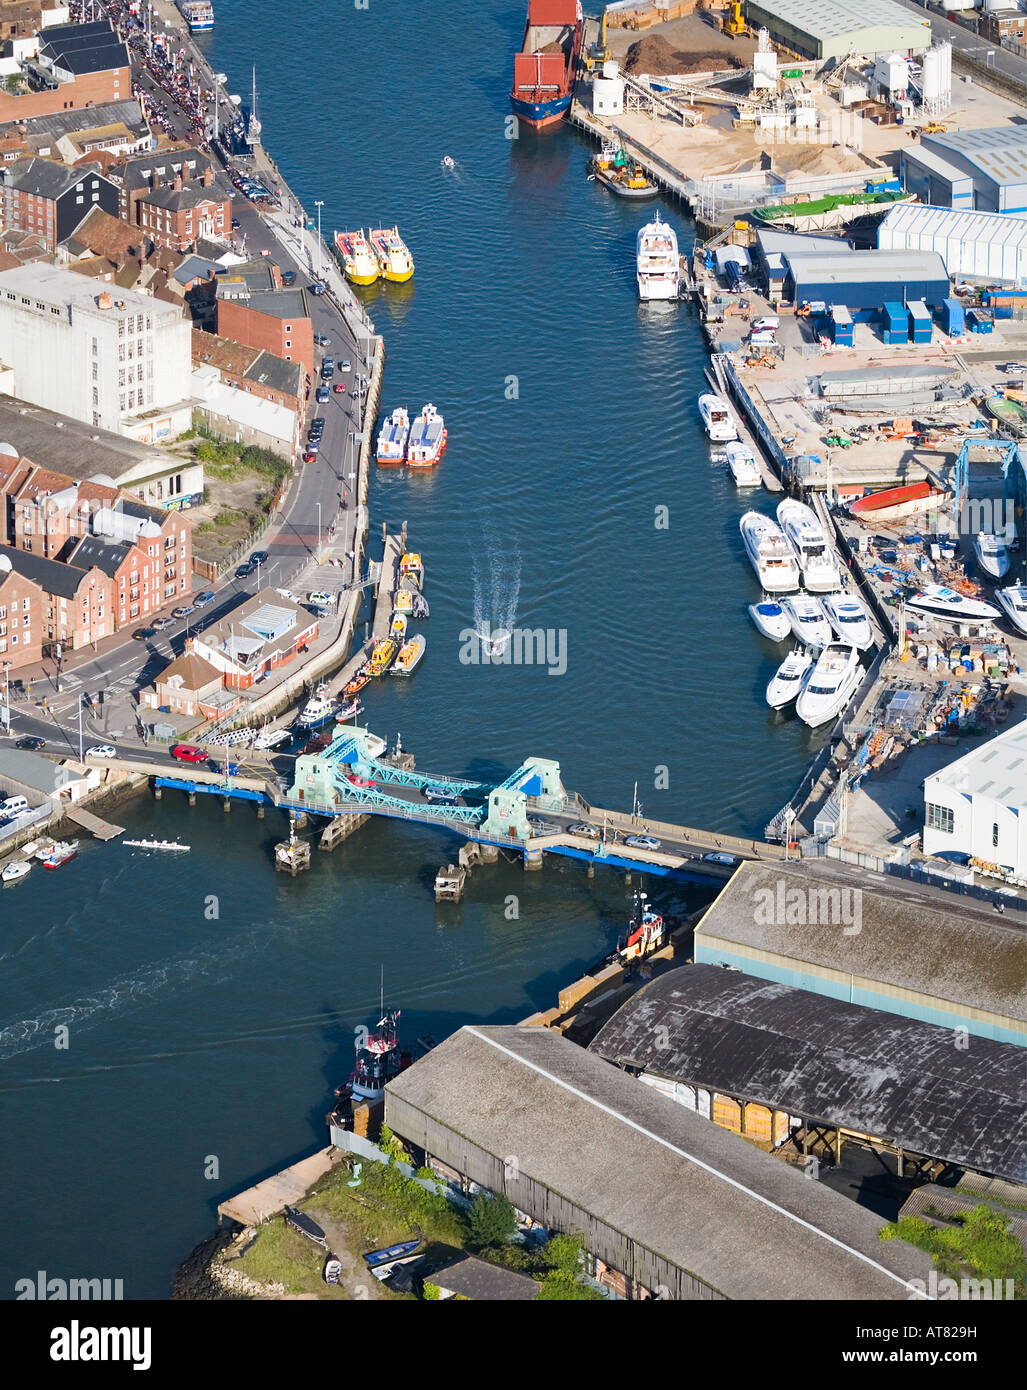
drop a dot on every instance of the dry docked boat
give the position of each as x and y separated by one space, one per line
716 418
742 462
769 553
427 440
849 619
410 655
1013 602
394 259
771 619
992 554
813 549
788 680
940 602
808 619
392 437
358 260
895 502
830 685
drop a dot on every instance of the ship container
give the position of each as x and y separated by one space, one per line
980 321
952 320
920 324
895 327
841 325
544 68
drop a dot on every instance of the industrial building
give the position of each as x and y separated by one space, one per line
976 807
864 281
918 952
970 170
985 245
783 1065
840 28
564 1136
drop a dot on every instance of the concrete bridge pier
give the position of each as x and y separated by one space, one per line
532 859
192 798
158 792
590 871
488 854
339 829
260 810
226 805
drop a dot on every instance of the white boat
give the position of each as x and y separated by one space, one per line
742 462
830 685
769 553
658 269
427 441
198 14
849 619
770 619
940 602
270 738
17 869
809 621
155 844
1013 602
62 851
789 679
812 547
318 709
392 437
398 626
992 554
716 417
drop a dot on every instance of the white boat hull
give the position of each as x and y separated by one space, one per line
771 620
830 686
1013 602
849 619
769 554
809 622
940 602
789 679
994 562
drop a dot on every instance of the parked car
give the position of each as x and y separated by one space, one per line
32 742
309 455
288 277
230 769
260 557
358 781
143 634
316 287
642 842
102 750
201 600
345 366
319 596
245 569
236 224
183 610
312 447
317 425
161 623
321 340
321 394
441 794
189 753
339 387
718 857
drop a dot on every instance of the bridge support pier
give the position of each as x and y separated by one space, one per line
488 854
192 798
300 820
532 859
627 876
226 805
158 792
590 871
260 810
339 829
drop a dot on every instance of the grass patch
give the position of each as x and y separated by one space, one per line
977 1244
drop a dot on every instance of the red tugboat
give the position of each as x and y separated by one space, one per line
544 69
646 932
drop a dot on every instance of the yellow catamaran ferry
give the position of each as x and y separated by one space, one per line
394 259
358 260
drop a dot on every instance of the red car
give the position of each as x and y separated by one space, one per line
359 781
339 387
189 753
309 456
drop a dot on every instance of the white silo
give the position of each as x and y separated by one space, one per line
608 91
764 64
937 79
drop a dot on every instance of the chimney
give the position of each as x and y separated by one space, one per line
208 177
177 185
103 301
154 179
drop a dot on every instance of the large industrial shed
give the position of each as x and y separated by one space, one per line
681 1207
986 245
919 952
934 180
752 1053
866 280
995 160
838 28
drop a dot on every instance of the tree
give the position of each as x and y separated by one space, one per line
492 1221
565 1253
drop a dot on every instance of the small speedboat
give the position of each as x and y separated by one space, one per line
356 685
830 685
789 678
992 554
62 852
743 466
12 872
448 162
941 602
348 711
420 608
716 417
849 619
270 738
1013 602
808 619
771 619
398 626
409 656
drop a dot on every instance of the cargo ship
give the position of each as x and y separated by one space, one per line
543 81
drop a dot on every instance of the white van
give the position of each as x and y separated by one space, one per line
768 324
13 806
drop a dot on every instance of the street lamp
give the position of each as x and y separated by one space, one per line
319 204
318 505
81 754
7 698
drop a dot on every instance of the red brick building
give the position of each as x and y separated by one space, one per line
21 619
77 65
254 639
276 320
50 200
175 217
76 606
255 370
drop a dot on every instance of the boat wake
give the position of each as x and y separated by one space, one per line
497 589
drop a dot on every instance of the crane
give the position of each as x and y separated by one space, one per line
735 24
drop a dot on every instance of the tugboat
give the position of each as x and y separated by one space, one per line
378 1060
616 170
646 932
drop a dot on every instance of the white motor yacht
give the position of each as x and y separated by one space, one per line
716 417
789 678
992 554
771 619
849 619
656 261
940 602
830 686
742 462
769 553
1013 602
816 558
810 623
18 868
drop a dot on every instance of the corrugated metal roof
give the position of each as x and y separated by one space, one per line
864 267
996 769
1000 152
825 1060
829 19
995 228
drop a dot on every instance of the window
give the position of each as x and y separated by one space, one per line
994 834
25 605
940 818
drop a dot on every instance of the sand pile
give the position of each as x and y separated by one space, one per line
655 56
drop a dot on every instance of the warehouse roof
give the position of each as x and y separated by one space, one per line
743 1222
995 228
932 160
911 937
866 267
1000 151
996 769
829 1061
74 447
829 19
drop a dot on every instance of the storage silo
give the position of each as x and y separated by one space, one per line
937 79
764 64
608 91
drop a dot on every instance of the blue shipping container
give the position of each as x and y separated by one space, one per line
952 320
920 322
896 323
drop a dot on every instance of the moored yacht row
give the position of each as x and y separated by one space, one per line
793 550
419 444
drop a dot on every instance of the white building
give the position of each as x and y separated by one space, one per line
990 246
976 807
111 357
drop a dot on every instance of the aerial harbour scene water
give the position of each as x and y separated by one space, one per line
513 623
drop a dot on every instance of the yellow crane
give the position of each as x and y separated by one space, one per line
734 24
598 52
